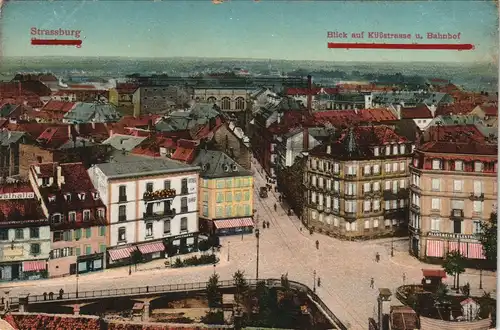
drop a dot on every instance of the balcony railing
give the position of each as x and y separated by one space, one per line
476 196
351 176
350 215
158 195
457 214
158 215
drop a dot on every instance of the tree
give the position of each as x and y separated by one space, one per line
241 285
488 238
454 264
203 245
213 291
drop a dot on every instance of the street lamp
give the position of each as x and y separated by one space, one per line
314 281
392 246
130 266
480 278
257 235
214 268
76 279
228 247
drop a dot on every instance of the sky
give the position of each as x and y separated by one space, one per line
279 29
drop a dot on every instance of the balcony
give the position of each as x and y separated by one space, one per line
122 198
457 214
415 208
394 213
476 197
350 176
159 195
350 215
159 215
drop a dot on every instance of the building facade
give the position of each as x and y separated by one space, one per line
24 234
152 204
453 190
357 185
225 194
76 214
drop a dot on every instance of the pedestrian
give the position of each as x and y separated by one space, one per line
319 282
44 296
61 292
404 278
317 244
372 282
264 224
275 207
268 224
279 198
377 257
51 295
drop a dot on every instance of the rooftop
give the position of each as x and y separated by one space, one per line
139 167
124 142
8 137
21 212
84 112
62 106
216 164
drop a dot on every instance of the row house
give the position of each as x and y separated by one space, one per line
225 194
76 214
24 234
453 190
159 99
122 94
152 204
344 101
357 185
83 93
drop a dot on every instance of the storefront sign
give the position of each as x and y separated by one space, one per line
12 253
18 195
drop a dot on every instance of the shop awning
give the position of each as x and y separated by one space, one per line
233 223
121 253
34 266
435 248
475 251
151 247
453 246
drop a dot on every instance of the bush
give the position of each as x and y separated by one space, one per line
203 245
202 260
178 263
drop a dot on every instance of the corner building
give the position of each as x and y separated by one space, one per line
357 184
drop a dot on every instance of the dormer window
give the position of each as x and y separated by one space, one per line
376 151
56 218
67 197
52 198
436 164
459 165
387 150
478 167
82 196
402 149
395 149
45 181
96 195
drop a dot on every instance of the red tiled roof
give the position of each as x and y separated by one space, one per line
55 116
17 187
420 111
126 88
143 121
490 110
151 146
314 91
457 108
53 105
47 77
34 129
184 154
54 137
21 210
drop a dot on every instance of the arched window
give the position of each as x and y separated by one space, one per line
226 103
240 103
212 100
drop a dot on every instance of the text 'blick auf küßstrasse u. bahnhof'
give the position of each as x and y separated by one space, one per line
383 35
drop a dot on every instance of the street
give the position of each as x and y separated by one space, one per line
345 268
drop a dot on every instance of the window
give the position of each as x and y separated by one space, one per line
350 189
122 213
205 196
435 222
478 188
102 248
240 103
88 249
205 210
58 236
376 186
56 218
149 187
402 149
86 215
387 205
367 170
313 180
35 249
4 234
376 151
122 234
457 226
476 227
19 234
376 205
237 183
387 151
375 223
336 186
149 229
184 186
367 206
435 204
402 166
78 234
387 168
459 165
387 223
395 149
394 167
220 197
184 205
166 184
67 236
229 183
436 164
366 187
477 206
436 184
220 183
184 224
237 196
367 224
226 103
457 185
219 211
350 206
166 227
246 196
88 232
102 231
34 232
229 196
336 204
478 167
229 211
387 185
402 183
376 169
336 168
122 194
45 181
72 216
100 213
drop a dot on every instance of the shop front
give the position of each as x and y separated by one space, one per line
234 226
152 250
120 256
90 263
183 243
34 269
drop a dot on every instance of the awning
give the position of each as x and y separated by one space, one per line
151 247
34 266
435 248
434 273
233 223
121 253
453 246
475 251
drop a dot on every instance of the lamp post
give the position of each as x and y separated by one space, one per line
77 279
314 281
228 249
214 268
480 279
392 246
130 266
257 235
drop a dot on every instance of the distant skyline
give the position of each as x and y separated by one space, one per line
280 30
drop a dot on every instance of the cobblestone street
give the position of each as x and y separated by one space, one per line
345 268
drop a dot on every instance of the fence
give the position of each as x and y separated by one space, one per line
184 287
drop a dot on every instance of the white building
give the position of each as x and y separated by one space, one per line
148 200
24 235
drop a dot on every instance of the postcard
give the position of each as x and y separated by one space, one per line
244 163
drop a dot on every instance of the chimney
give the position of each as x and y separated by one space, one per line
60 177
93 124
70 133
398 111
305 139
